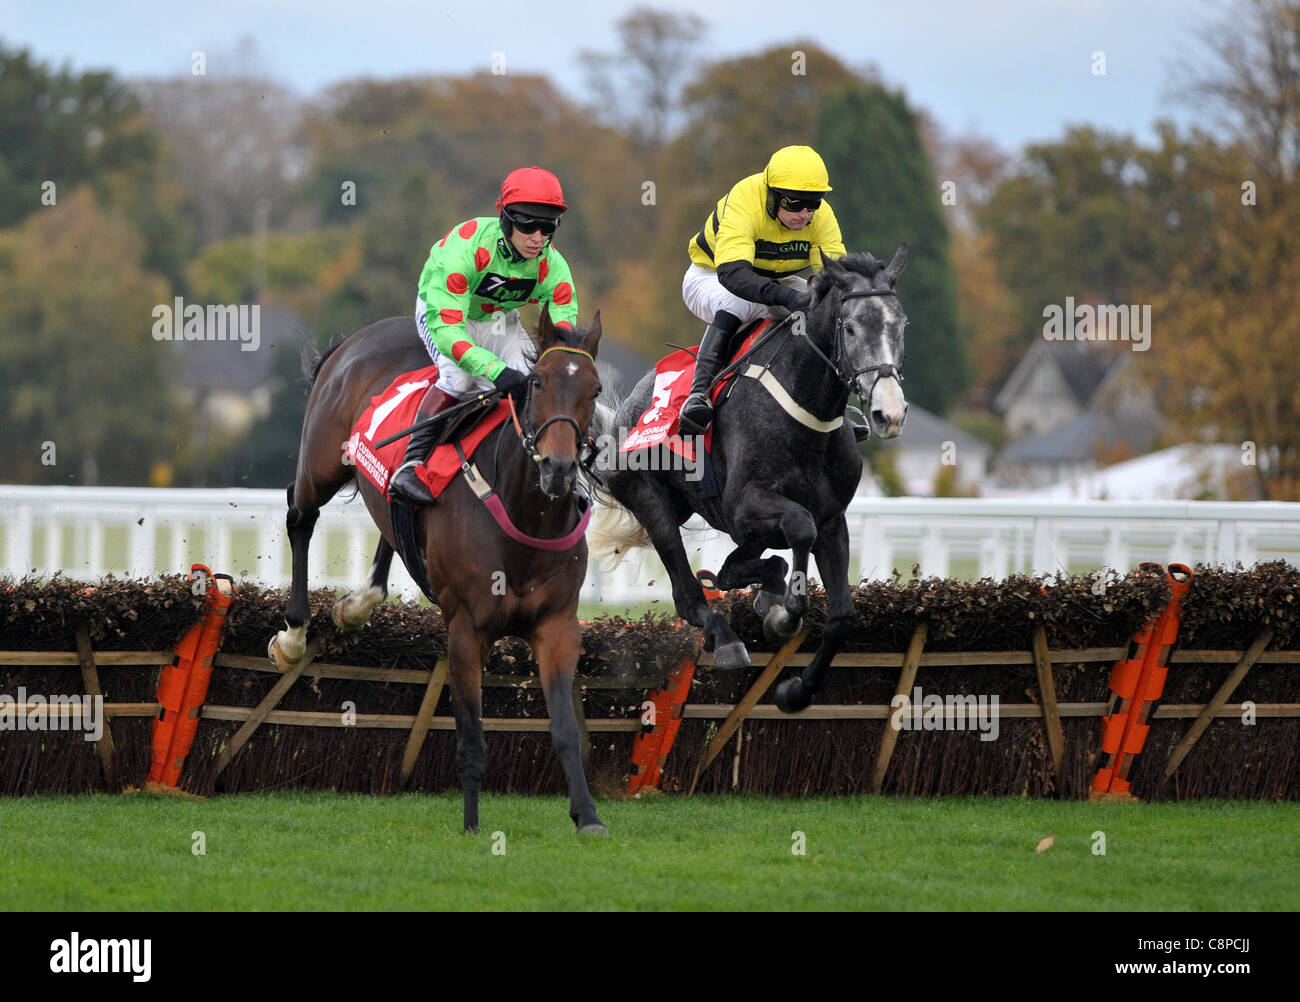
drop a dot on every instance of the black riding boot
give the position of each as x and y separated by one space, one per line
405 484
697 411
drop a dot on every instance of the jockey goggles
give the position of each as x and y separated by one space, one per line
531 224
792 203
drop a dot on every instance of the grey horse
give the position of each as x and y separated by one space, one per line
786 465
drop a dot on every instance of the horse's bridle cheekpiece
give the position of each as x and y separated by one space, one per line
527 433
883 371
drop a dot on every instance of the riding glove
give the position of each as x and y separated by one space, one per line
512 383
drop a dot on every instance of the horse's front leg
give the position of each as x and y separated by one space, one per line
832 552
745 567
556 642
761 510
466 651
288 646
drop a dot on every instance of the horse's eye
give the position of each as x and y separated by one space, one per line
537 382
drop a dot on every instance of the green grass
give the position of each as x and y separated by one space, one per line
316 851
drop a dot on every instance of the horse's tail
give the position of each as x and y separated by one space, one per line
311 362
614 530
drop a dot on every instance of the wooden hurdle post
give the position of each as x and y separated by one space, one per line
906 676
423 718
1047 697
747 703
1206 716
90 678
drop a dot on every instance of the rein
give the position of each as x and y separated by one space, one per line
528 436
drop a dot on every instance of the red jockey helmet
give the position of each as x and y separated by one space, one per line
531 184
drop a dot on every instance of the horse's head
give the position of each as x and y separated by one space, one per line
562 392
856 293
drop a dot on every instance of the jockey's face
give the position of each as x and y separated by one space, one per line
794 220
528 244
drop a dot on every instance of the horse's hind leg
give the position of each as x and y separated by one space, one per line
556 643
354 611
466 652
692 606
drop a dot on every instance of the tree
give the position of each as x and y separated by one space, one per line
65 130
78 367
1254 82
231 146
885 194
638 87
1230 310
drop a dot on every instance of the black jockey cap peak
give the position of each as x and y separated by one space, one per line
536 209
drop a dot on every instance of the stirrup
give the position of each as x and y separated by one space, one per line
410 488
696 426
861 429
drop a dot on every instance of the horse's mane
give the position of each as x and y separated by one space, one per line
864 264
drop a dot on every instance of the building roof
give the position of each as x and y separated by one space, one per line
1081 440
225 365
926 430
1082 365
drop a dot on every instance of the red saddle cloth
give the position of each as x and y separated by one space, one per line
673 377
397 408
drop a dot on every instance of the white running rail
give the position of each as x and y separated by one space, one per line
90 531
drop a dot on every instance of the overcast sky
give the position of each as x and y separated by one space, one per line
1014 70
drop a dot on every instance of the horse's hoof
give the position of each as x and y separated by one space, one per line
595 829
764 601
791 696
731 655
778 624
277 656
470 831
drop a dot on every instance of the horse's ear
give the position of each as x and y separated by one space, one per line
896 264
545 329
591 340
830 276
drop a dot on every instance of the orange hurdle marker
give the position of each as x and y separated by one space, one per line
183 686
1138 682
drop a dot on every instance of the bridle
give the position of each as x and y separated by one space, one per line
528 434
885 370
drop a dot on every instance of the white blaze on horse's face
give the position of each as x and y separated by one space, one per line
878 323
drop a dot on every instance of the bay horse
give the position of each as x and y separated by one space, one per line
786 463
488 583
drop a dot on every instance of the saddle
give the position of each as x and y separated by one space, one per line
377 447
456 427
